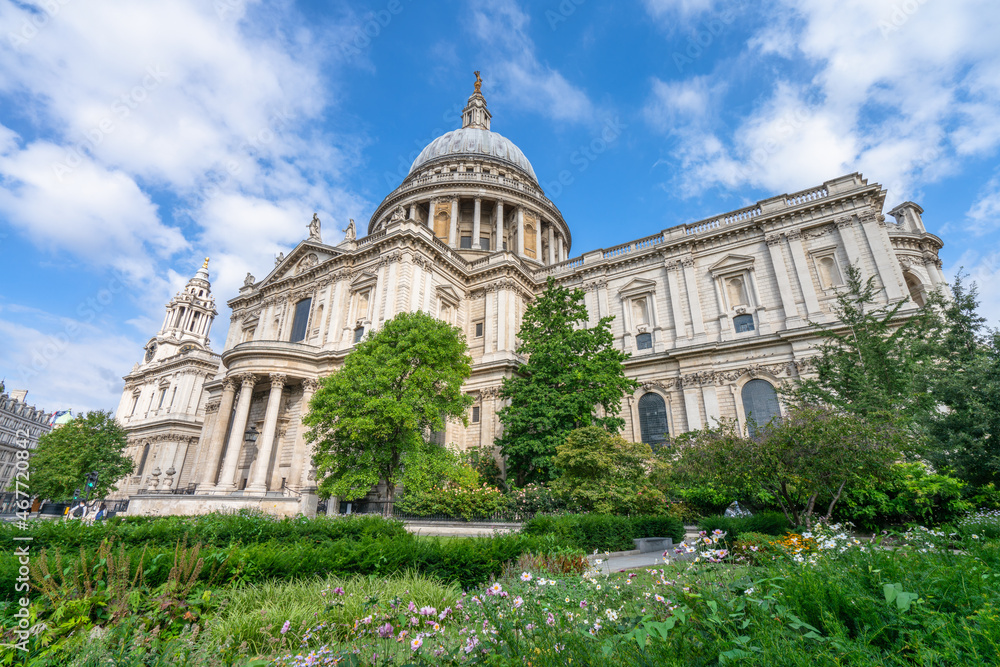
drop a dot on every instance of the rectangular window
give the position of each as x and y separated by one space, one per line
475 414
644 341
479 329
359 333
163 395
135 404
300 320
484 242
743 323
504 245
173 396
465 242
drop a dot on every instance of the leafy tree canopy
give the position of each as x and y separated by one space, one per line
93 442
965 433
573 378
872 362
606 474
372 413
807 456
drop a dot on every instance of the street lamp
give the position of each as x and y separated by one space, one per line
250 436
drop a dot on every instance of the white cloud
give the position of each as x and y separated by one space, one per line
900 93
515 73
661 8
73 365
984 215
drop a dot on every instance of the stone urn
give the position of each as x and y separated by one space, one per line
154 478
168 481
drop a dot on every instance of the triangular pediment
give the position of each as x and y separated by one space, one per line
302 258
362 280
448 293
638 286
731 262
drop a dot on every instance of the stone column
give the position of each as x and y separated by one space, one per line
784 284
212 463
227 478
538 239
430 214
413 210
499 222
301 457
552 246
476 228
453 231
562 250
802 272
691 281
673 285
520 231
489 307
259 474
888 267
845 226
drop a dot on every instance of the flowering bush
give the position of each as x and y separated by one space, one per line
984 523
532 499
757 548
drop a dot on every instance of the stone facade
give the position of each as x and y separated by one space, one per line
715 313
19 423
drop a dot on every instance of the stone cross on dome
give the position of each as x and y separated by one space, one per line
475 114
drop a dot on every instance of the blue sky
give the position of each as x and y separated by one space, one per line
138 138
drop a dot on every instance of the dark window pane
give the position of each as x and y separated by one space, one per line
743 323
465 242
653 419
484 242
479 329
475 414
359 333
142 461
300 320
760 403
644 341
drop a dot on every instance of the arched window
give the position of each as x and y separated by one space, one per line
142 461
653 419
916 289
760 403
301 320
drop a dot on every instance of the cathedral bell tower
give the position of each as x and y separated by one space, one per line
188 320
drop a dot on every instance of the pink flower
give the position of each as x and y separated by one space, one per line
551 620
285 627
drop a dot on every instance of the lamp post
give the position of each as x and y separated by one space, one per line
250 436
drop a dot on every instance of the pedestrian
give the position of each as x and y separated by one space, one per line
102 512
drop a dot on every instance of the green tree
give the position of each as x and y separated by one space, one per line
571 373
965 435
371 414
804 460
606 474
93 442
872 361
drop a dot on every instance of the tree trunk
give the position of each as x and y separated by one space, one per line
390 493
836 497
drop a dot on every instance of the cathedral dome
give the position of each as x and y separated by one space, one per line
474 142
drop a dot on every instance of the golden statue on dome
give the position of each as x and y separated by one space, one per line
479 82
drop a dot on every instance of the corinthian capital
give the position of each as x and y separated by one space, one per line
278 380
247 379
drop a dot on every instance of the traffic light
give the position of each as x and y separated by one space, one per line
76 493
91 480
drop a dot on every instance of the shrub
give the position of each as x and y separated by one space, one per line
532 499
756 548
909 493
480 502
768 523
603 532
